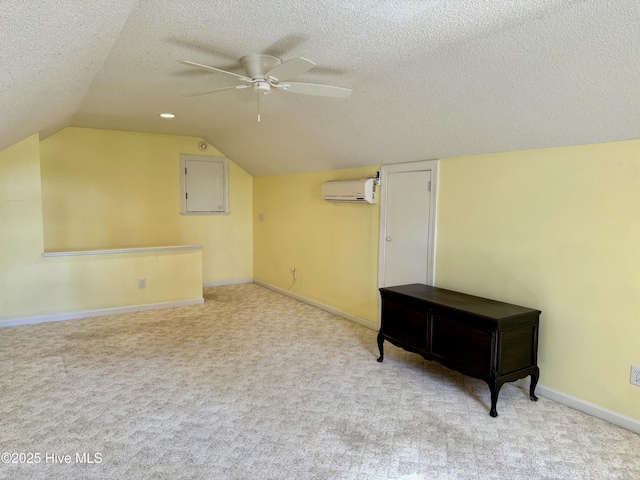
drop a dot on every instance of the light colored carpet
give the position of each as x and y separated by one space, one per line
256 385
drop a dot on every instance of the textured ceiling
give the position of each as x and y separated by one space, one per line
430 78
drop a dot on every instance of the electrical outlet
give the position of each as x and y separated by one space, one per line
294 273
635 375
142 283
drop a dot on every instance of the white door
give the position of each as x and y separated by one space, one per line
407 228
407 223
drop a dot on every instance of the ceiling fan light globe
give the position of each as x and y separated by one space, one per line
263 87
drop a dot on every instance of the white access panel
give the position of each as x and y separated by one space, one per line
204 185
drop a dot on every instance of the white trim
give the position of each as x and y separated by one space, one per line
73 253
583 406
227 282
431 165
359 320
59 317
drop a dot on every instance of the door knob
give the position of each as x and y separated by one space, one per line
388 239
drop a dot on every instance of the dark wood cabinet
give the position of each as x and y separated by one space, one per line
493 341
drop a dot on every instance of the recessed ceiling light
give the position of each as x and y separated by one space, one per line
167 115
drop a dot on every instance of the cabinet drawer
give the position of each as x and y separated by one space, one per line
461 345
403 322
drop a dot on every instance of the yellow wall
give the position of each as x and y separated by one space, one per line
333 246
555 229
558 230
31 285
110 189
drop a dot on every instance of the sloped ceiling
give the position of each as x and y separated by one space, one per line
430 78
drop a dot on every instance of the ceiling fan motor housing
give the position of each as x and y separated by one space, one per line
257 65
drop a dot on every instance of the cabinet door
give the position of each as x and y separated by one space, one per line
461 345
517 350
405 322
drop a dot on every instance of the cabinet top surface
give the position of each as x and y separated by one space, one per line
460 301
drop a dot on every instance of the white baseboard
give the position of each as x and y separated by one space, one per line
321 306
583 406
227 282
59 317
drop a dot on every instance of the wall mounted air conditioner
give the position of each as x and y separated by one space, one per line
358 191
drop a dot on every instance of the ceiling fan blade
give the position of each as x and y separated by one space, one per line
315 89
289 69
215 90
213 69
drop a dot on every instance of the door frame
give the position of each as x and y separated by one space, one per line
385 170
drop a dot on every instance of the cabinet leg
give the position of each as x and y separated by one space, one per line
380 342
495 390
532 385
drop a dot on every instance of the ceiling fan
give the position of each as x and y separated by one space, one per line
264 72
